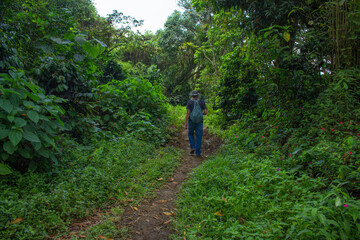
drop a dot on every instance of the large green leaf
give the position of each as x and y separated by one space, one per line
57 40
11 118
6 105
16 75
4 156
15 137
44 152
34 116
4 169
31 136
36 145
93 51
4 133
25 153
29 104
101 43
80 40
19 122
9 147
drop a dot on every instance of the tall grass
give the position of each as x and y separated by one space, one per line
35 205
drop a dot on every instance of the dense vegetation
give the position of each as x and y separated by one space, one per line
286 74
80 129
83 103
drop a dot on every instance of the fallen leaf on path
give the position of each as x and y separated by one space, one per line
138 233
130 200
106 238
82 236
160 179
17 220
125 193
168 222
134 208
167 213
161 201
219 214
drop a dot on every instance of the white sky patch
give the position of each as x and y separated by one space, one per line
153 12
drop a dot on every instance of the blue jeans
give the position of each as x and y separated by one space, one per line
198 128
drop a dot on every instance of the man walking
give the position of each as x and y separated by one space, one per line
196 108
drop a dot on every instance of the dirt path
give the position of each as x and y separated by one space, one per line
152 220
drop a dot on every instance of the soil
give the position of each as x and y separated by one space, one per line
152 219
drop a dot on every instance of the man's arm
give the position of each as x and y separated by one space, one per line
204 108
187 118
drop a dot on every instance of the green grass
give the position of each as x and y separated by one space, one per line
90 177
105 229
235 195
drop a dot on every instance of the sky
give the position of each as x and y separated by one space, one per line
153 12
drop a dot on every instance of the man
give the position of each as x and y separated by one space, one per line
192 126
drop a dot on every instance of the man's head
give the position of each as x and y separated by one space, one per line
194 93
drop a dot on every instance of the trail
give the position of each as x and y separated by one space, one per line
152 219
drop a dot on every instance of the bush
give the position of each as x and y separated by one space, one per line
133 106
29 123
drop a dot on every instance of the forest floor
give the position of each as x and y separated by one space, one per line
152 219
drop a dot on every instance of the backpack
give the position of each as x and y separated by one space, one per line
196 116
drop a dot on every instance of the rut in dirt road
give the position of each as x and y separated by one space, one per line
152 219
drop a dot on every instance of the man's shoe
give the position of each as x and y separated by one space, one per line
199 156
192 151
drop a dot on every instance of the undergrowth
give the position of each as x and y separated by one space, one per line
35 205
236 195
282 174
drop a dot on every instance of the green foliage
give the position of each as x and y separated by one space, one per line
177 42
113 70
139 48
92 177
70 71
284 174
29 121
133 106
241 195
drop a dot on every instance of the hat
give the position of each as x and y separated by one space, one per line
194 93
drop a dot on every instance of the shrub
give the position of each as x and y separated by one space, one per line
29 122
